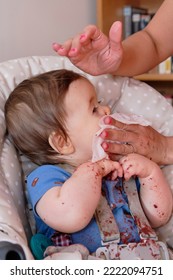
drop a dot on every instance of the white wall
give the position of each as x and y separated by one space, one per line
29 27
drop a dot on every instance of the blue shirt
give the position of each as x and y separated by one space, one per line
47 176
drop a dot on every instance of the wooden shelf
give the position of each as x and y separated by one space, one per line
109 11
155 77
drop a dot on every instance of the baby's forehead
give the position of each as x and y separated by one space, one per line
90 89
80 91
90 84
82 84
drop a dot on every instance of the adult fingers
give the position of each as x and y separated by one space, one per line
91 32
118 149
110 121
121 136
63 49
70 47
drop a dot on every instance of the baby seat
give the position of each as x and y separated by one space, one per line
148 248
120 93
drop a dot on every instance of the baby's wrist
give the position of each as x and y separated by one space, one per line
94 167
103 167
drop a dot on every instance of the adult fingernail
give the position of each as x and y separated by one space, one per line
105 146
73 50
108 120
83 36
54 46
104 134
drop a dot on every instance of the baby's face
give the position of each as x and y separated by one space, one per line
83 115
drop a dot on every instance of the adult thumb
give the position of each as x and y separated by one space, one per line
115 35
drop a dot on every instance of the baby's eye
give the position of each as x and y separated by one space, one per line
101 100
95 109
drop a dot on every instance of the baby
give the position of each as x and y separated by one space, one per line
53 119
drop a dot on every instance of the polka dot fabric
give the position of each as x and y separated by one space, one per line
122 94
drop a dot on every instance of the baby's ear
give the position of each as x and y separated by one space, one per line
60 144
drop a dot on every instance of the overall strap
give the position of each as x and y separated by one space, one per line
137 212
106 222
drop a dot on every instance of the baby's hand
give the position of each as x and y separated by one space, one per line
113 168
135 164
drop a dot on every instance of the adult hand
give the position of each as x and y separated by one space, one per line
135 138
94 52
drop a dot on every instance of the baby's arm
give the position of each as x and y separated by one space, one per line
71 207
155 193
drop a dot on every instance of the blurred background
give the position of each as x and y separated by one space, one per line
29 27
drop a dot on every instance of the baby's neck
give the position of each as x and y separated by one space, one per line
68 167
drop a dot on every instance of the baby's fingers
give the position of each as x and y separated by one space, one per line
118 172
128 167
115 173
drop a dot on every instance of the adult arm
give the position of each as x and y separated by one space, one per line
147 48
95 53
